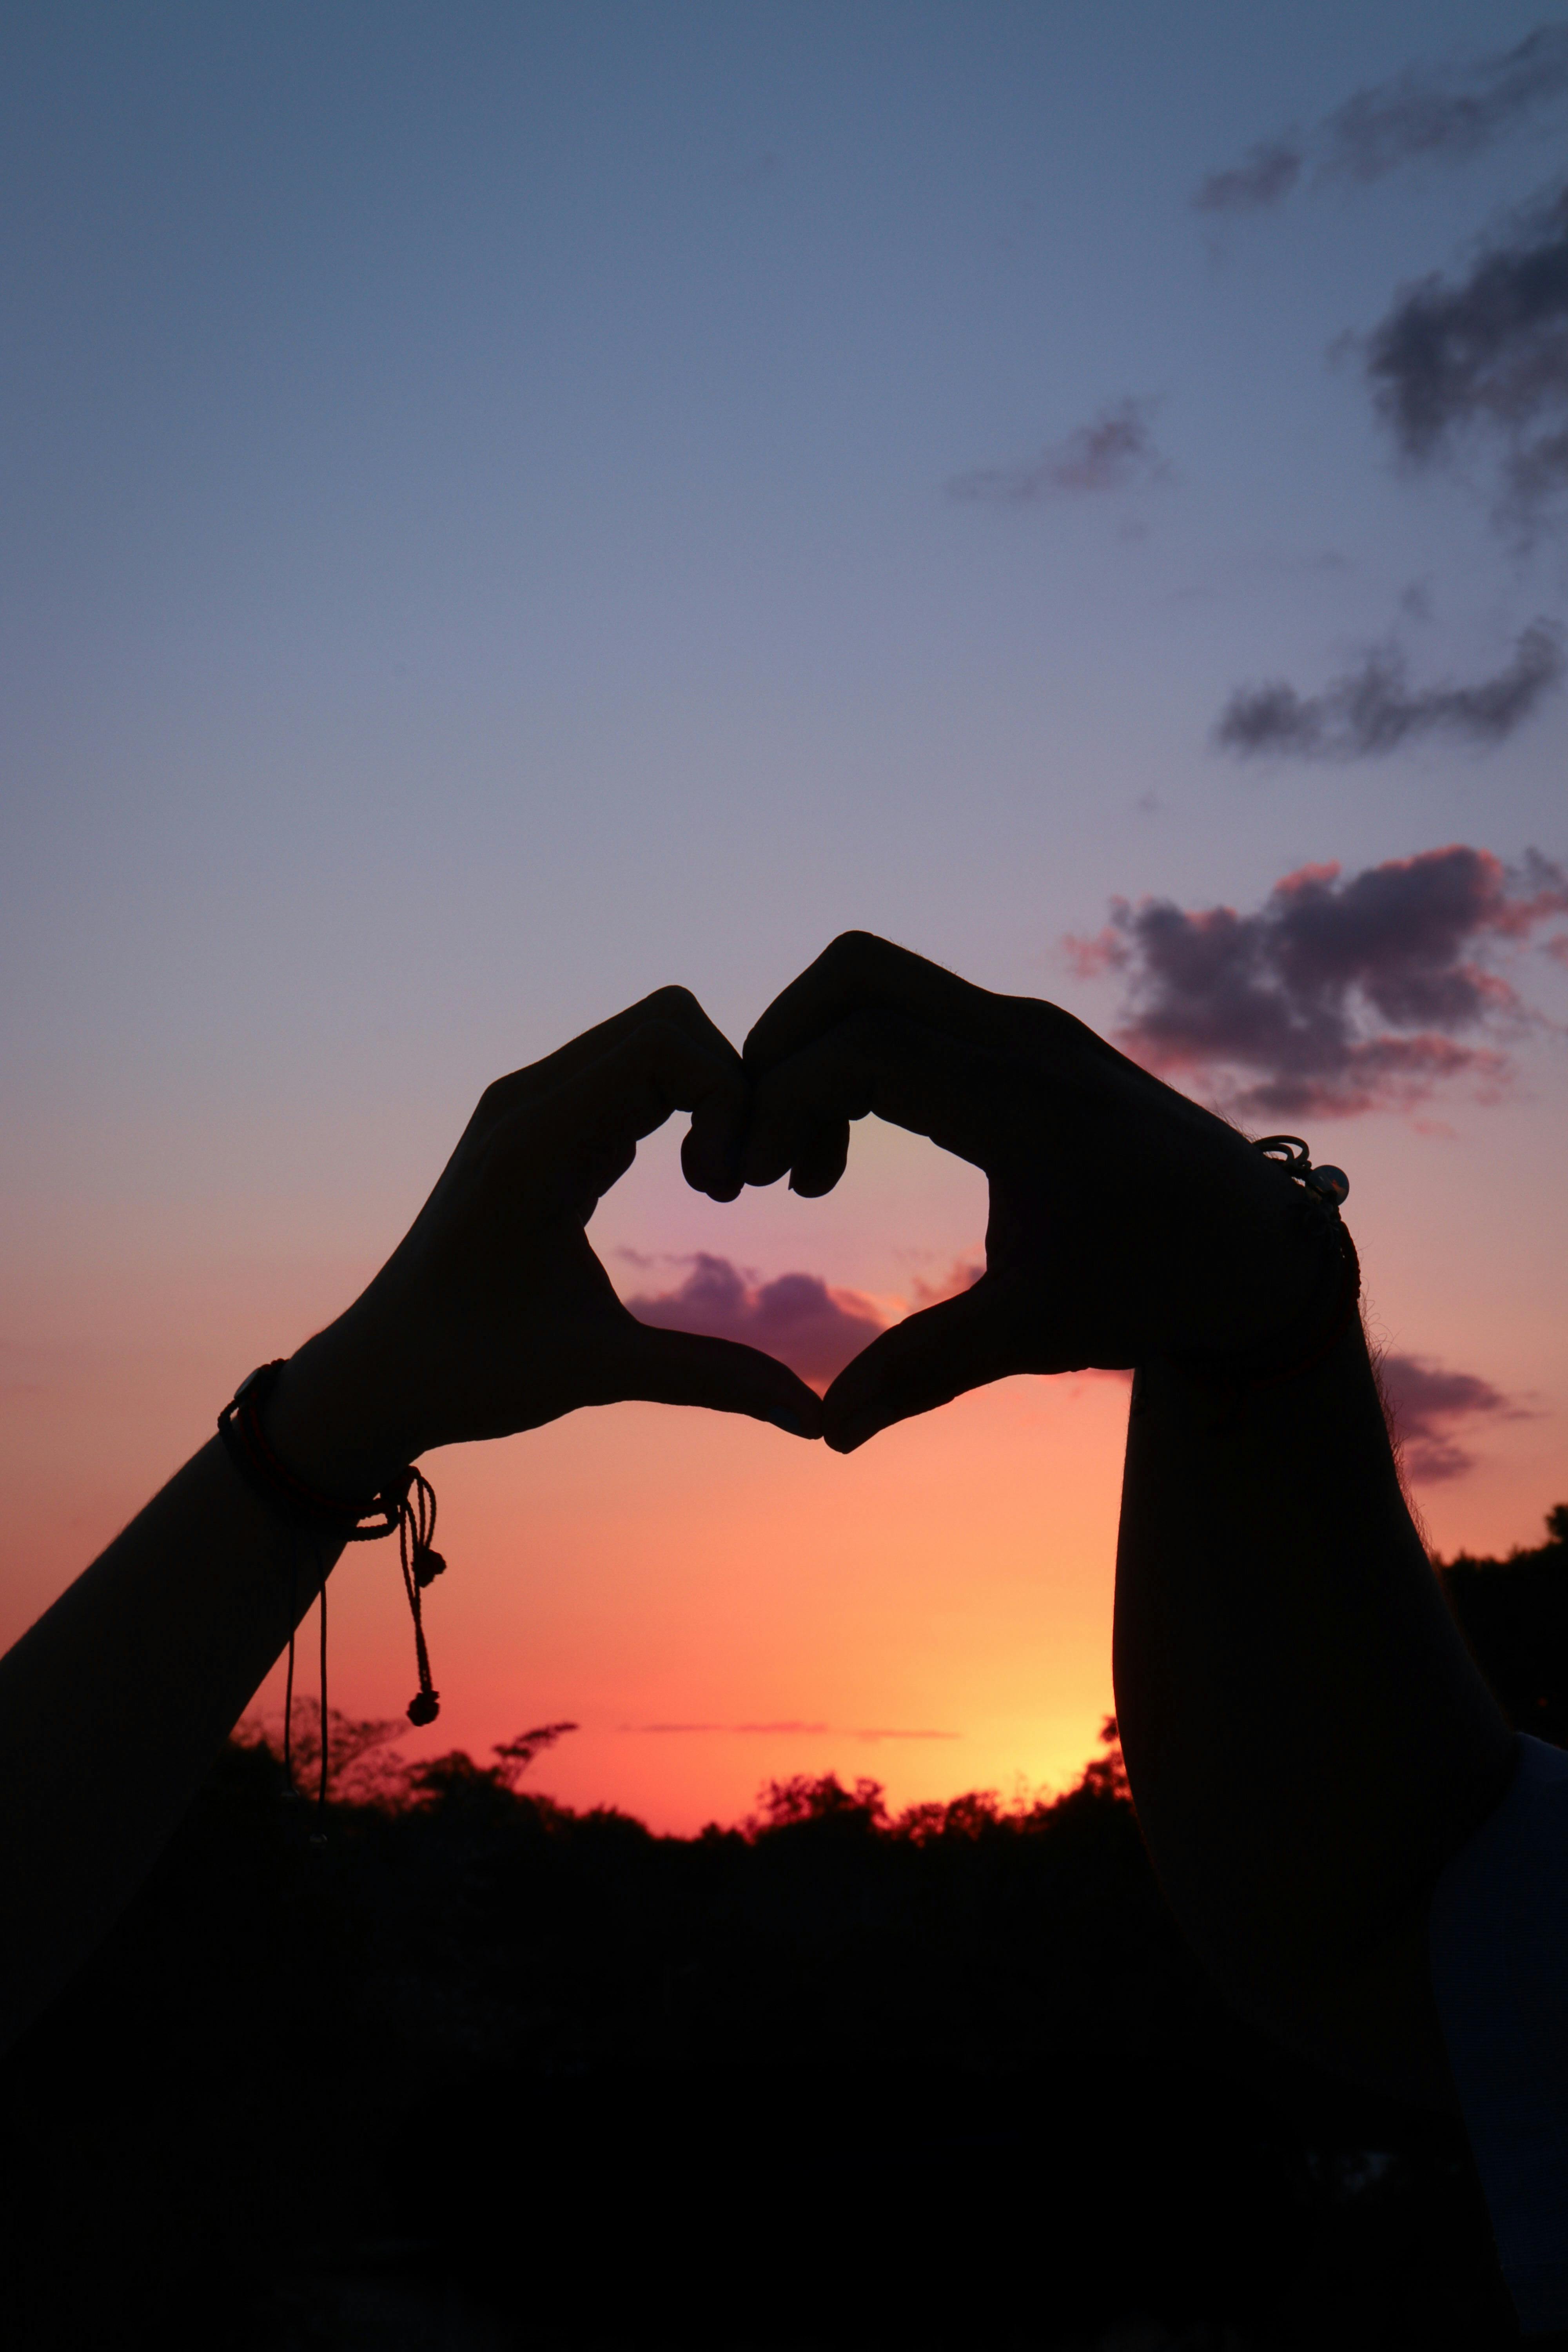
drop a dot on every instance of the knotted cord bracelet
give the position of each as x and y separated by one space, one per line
1325 1187
407 1502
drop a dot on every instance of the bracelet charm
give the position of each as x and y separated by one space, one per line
405 1504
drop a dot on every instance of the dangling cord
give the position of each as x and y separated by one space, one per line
319 1834
421 1564
406 1502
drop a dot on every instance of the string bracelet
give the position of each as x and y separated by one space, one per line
1325 1188
405 1505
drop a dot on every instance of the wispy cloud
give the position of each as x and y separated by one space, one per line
1114 451
1430 1405
961 1276
1374 708
1336 995
1266 174
790 1729
1430 114
813 1328
1485 359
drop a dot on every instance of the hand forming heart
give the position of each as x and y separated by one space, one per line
1124 1220
493 1315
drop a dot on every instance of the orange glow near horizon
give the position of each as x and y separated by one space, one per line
716 1605
713 1603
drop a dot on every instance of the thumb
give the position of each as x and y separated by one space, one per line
686 1367
925 1361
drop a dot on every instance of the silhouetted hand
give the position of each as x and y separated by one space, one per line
494 1315
1125 1220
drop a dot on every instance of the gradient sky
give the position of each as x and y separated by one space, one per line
507 506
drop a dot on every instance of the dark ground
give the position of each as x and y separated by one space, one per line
485 2073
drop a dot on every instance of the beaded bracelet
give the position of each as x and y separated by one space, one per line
1326 1187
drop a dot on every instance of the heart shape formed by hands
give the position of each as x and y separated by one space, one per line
1125 1220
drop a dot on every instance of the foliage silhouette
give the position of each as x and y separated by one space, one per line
833 2075
1514 1614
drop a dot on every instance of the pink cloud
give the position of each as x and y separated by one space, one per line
808 1325
1337 994
1430 1405
961 1276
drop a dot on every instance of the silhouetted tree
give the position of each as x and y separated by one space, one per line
1514 1614
835 2076
515 1756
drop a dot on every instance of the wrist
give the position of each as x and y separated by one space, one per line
333 1417
1327 1305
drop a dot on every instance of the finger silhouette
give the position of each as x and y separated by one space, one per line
924 1361
686 1367
710 1150
671 1007
820 1160
917 1078
591 1126
861 973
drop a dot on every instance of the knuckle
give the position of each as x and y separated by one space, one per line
673 1004
855 951
496 1100
657 1042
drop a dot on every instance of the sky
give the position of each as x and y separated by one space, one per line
507 506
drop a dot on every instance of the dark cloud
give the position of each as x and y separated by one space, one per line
1336 995
1374 708
1116 452
1429 1404
1266 173
1444 113
1486 358
811 1329
1429 114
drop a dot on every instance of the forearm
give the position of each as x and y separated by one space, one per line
1306 1736
113 1705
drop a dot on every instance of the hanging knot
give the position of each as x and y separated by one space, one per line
405 1505
421 1563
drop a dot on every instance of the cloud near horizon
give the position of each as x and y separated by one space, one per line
1373 710
962 1275
1114 451
808 1325
1336 995
790 1729
1429 1404
1427 114
1486 358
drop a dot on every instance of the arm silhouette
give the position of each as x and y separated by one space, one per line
492 1316
1305 1734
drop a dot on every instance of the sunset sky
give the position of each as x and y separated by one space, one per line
508 505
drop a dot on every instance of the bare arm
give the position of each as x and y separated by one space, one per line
114 1704
1305 1734
492 1316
